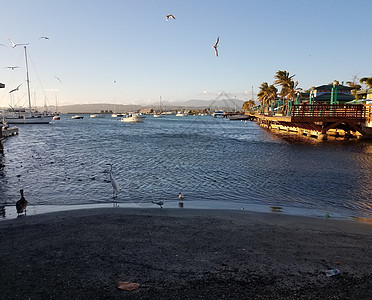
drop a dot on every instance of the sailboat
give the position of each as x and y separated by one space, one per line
27 115
160 111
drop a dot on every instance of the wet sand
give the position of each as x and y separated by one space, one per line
183 254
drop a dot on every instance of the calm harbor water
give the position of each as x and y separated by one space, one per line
214 162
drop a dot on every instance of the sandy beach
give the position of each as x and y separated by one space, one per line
183 254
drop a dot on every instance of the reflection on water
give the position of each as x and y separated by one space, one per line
207 159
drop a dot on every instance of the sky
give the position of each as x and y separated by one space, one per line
125 52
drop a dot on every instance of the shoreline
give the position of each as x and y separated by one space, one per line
8 212
183 254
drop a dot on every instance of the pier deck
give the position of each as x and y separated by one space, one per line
6 132
320 120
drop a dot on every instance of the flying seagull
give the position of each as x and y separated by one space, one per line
169 16
14 44
43 37
58 79
216 45
15 67
16 89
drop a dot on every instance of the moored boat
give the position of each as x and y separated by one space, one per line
218 113
27 115
77 117
97 116
133 118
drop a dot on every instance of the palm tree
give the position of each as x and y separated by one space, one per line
247 105
367 81
288 87
263 94
272 93
355 86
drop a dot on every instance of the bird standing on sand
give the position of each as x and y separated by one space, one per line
114 183
169 16
159 202
21 204
14 44
16 89
180 196
216 45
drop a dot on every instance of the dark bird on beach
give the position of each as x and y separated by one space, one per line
180 196
216 45
14 44
159 202
169 16
21 204
16 89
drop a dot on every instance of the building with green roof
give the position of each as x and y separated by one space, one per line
323 94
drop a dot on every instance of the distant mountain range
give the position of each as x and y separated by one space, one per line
225 104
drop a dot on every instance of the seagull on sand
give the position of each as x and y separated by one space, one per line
216 45
169 16
16 89
21 204
15 67
159 202
180 196
14 44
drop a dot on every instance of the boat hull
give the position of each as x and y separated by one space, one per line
29 120
133 119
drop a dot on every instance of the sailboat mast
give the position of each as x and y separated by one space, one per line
28 80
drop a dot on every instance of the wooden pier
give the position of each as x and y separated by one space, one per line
6 132
321 121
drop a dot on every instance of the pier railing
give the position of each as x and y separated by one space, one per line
368 113
322 112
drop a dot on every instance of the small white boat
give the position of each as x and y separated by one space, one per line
218 113
117 115
97 116
133 118
77 117
180 114
56 117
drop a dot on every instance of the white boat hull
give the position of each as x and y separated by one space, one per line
133 119
29 120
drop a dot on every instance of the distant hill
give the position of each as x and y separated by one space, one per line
97 108
225 104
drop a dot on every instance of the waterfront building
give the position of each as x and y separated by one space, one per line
365 94
323 94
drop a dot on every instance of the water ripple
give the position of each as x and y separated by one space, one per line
205 158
